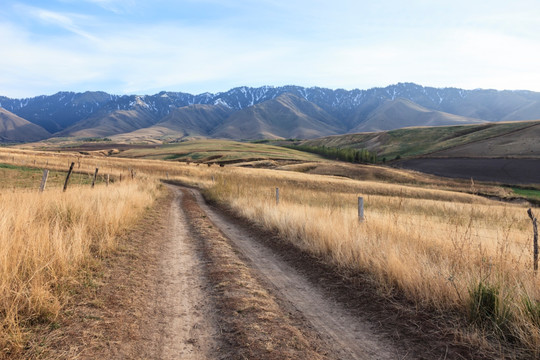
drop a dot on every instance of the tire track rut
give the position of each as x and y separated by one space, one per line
348 337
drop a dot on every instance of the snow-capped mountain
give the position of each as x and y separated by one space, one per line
65 112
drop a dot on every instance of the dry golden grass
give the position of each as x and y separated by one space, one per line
445 250
434 246
46 237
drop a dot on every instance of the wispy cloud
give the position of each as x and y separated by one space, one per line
343 44
115 6
66 21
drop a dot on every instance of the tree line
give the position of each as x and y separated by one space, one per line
344 154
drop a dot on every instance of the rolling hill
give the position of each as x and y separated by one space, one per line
399 113
268 112
515 143
16 129
287 116
508 139
116 122
187 121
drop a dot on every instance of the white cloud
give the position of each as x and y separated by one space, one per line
115 6
137 58
66 21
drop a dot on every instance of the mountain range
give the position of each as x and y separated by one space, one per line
256 113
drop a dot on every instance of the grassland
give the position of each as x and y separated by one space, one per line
443 250
17 177
410 142
48 239
529 193
219 151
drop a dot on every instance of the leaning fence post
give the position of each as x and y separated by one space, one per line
94 179
68 175
535 240
277 196
44 180
360 208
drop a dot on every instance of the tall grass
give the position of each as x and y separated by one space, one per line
441 249
46 237
444 250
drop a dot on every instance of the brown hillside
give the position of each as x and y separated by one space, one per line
523 143
116 122
400 113
287 116
188 121
16 129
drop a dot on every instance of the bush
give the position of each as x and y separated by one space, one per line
489 309
344 154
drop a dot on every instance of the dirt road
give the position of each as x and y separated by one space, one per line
346 335
193 283
182 325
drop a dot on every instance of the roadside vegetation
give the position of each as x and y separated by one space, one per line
48 240
446 251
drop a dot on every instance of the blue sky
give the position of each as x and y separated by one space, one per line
143 47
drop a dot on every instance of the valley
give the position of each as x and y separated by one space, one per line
434 231
227 225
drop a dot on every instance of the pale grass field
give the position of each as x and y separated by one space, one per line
434 246
46 237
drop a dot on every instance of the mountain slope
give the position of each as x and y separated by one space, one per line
400 113
116 122
514 139
348 109
518 143
16 129
287 116
194 120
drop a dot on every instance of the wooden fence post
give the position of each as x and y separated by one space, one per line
44 180
360 208
277 196
107 181
68 175
535 240
95 176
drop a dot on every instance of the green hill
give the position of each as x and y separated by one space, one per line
444 141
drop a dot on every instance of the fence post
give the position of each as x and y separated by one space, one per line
95 176
360 208
68 175
44 180
107 181
535 240
277 196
